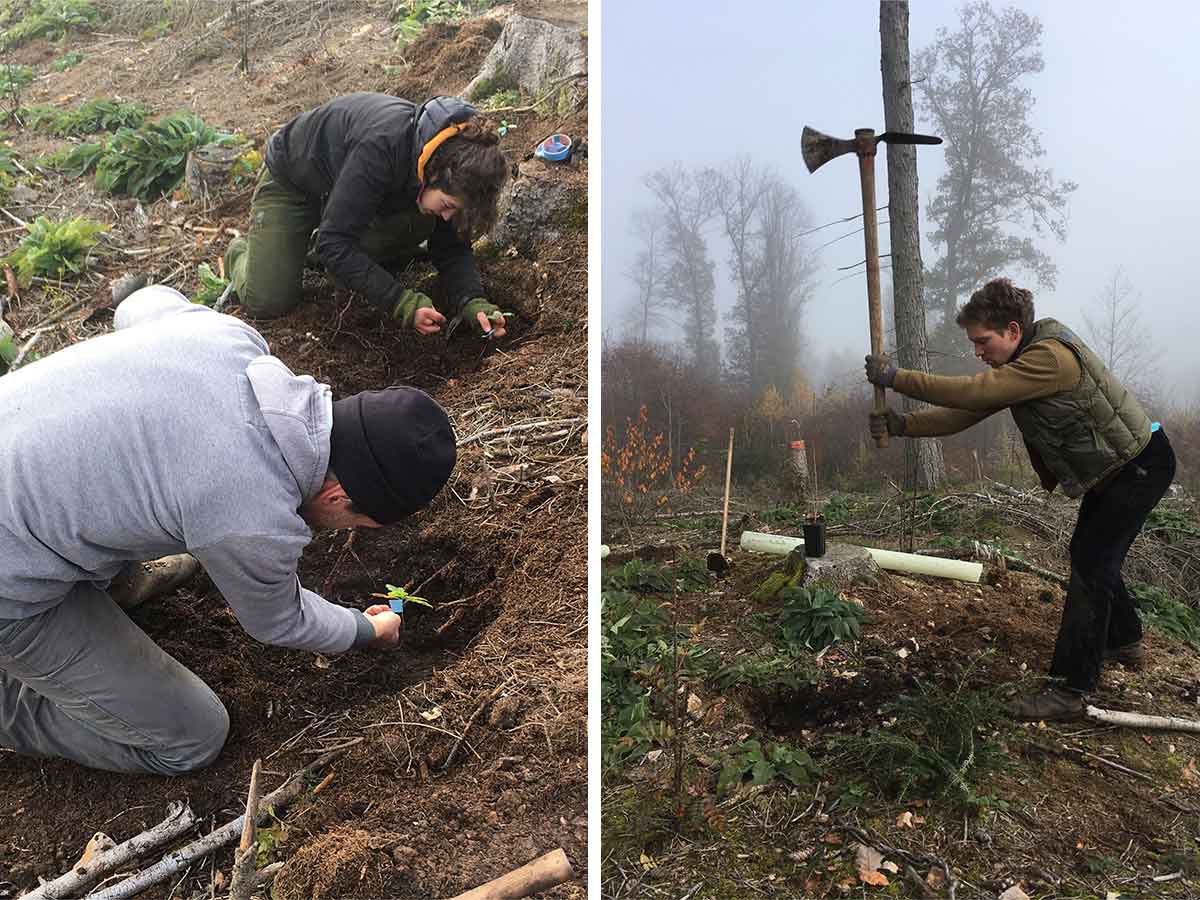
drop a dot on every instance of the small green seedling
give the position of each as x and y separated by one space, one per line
398 596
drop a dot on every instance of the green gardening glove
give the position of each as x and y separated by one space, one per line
408 304
470 315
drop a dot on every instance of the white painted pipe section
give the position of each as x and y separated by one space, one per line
604 551
912 563
760 542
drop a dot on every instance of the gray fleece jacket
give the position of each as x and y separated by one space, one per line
178 432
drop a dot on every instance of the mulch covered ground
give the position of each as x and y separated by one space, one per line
501 554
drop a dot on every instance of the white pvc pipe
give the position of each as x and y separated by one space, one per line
913 563
604 551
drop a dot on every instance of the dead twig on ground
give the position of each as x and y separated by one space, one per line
176 860
179 819
471 721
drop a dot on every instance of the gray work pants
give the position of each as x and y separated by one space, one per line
82 681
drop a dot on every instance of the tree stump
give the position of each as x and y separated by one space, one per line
537 58
841 566
208 168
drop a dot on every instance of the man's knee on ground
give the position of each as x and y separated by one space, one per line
206 739
266 306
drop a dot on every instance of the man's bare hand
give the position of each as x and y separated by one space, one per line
386 623
428 320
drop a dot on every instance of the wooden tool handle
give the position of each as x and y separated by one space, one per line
864 139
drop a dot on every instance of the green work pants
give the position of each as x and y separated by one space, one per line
267 265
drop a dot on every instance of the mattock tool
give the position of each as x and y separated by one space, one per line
817 150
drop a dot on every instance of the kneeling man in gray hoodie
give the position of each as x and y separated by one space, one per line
180 433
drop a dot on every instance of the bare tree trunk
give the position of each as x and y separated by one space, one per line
907 273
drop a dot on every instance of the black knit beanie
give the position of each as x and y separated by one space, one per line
392 451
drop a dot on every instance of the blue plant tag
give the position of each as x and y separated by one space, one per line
1154 426
397 605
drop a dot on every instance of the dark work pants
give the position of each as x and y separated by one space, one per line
1099 613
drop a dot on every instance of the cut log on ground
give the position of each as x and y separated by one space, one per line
179 819
1140 720
177 860
542 874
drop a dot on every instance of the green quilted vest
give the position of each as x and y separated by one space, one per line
1088 432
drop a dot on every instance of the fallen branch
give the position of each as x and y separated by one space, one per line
525 426
542 874
179 819
471 721
1140 720
176 860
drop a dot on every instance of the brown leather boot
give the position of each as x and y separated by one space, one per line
1050 705
142 581
1131 656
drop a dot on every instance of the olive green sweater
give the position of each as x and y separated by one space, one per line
1042 369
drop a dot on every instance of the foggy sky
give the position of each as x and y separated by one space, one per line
1116 108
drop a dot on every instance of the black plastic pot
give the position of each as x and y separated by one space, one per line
814 538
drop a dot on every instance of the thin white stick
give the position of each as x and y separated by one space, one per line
1139 720
728 475
179 819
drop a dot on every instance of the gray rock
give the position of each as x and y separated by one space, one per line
538 204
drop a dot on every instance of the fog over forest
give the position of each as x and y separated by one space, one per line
704 84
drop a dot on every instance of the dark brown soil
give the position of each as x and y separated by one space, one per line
1064 823
501 554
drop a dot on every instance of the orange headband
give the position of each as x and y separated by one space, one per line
434 142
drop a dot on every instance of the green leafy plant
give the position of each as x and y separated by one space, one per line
634 631
837 510
501 100
74 161
1170 525
149 162
50 19
691 573
212 285
52 249
412 16
1159 610
399 593
90 117
767 670
65 62
639 576
246 167
13 78
763 764
784 516
816 618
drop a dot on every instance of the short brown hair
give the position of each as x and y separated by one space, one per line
996 304
471 167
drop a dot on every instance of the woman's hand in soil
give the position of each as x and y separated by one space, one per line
386 623
428 320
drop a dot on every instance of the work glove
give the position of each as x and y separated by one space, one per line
881 370
484 318
416 310
889 422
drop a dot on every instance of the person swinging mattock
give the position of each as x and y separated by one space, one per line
1085 433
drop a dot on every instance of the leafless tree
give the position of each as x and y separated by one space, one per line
686 202
645 317
1116 333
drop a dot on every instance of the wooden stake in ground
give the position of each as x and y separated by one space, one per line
542 874
243 881
728 474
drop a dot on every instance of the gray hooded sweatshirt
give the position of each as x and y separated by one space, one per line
178 432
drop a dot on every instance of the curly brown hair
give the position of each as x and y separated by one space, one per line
471 167
996 304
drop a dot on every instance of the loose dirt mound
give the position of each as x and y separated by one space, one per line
501 554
